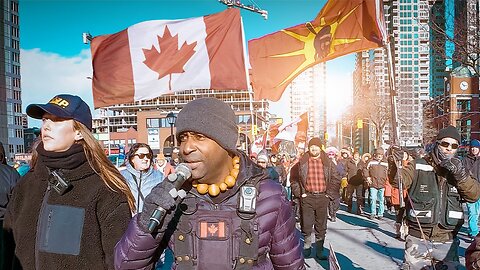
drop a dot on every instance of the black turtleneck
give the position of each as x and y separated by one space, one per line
70 159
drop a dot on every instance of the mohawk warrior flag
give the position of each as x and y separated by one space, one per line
341 27
153 58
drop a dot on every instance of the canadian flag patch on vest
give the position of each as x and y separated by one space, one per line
212 230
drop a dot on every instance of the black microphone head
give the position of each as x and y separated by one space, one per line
183 170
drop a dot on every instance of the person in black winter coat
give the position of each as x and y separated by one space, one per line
8 179
72 207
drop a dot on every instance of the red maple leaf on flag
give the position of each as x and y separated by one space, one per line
169 59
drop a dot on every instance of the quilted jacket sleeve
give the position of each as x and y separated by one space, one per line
136 249
285 248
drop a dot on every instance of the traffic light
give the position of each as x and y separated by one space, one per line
358 139
254 130
359 123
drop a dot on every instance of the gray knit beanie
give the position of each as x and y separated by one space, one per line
210 117
449 132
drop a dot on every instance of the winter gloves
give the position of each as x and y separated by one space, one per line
158 197
455 167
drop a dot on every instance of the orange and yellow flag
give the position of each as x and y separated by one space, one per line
341 27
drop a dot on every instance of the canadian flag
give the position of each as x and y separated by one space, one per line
259 144
295 131
159 57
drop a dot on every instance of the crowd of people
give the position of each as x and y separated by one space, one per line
74 210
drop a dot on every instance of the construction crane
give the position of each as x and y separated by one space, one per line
252 7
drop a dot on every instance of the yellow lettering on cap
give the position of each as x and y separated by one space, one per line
59 102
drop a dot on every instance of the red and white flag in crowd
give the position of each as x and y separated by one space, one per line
259 144
159 57
295 131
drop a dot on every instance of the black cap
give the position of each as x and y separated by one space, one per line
63 106
449 132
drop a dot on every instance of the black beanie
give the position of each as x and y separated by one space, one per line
450 132
210 117
315 141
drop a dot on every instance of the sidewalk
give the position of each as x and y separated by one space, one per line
361 243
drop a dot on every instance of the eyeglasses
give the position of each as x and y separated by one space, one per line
261 162
142 155
447 144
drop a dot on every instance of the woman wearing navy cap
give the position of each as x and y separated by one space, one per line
73 206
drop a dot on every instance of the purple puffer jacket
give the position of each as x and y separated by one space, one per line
278 236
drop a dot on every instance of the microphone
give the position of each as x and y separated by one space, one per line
182 173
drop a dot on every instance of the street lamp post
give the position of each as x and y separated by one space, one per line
171 118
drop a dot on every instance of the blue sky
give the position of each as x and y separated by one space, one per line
54 59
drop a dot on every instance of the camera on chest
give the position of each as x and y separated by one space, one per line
58 182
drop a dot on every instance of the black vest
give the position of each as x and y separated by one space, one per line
434 201
216 236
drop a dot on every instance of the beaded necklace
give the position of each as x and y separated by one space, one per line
228 182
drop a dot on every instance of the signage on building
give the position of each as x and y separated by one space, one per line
153 138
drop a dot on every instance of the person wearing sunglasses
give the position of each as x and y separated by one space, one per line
140 173
437 185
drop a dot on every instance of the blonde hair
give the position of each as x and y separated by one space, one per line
99 162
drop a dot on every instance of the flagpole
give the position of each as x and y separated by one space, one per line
249 87
394 136
394 118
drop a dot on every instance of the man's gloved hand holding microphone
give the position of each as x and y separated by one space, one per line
159 206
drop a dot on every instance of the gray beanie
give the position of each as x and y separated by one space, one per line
210 117
449 132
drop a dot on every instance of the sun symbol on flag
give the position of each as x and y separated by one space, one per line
318 44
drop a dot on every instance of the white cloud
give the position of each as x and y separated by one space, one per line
45 75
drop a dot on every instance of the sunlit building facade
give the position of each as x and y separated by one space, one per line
407 23
119 126
308 94
11 121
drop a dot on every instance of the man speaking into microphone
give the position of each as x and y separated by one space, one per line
232 216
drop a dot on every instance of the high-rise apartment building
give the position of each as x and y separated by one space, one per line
408 22
308 94
407 25
11 128
441 48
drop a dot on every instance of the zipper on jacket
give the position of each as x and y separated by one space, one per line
443 201
39 220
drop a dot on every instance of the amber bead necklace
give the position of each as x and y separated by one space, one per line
228 182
